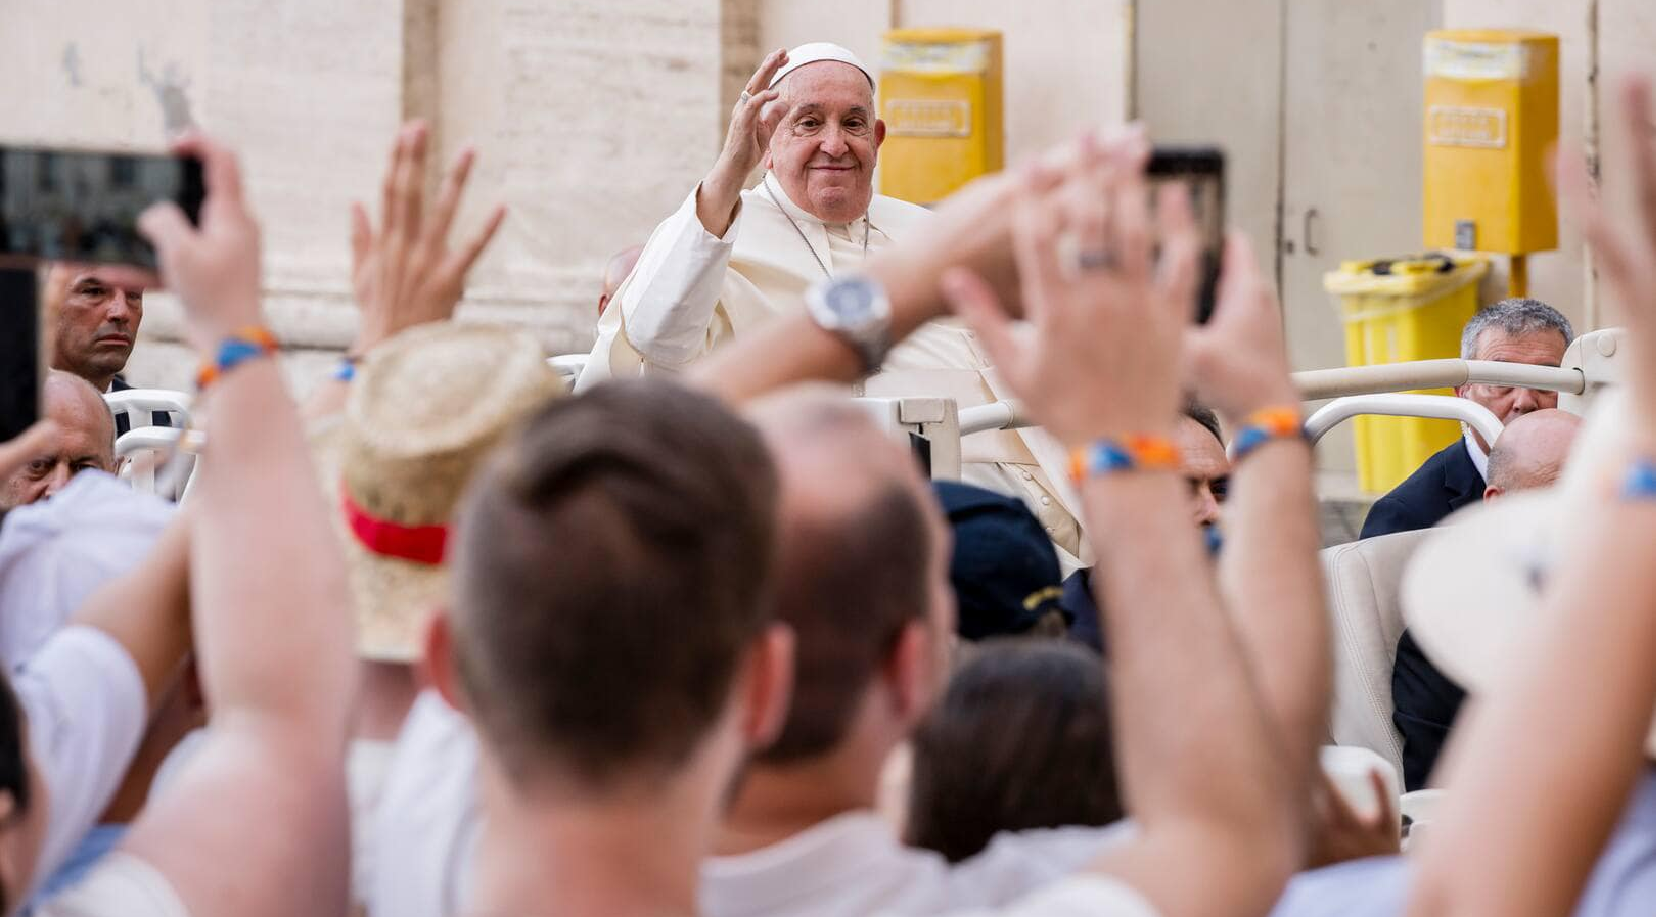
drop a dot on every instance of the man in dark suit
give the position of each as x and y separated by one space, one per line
93 326
1514 331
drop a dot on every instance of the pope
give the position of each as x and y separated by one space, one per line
730 259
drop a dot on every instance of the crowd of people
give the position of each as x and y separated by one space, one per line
699 637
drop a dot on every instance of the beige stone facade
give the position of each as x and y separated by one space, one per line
592 118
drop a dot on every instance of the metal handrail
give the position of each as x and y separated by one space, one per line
1318 384
1391 404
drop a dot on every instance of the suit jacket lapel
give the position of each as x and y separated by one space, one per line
1461 476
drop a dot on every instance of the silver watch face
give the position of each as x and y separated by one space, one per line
851 302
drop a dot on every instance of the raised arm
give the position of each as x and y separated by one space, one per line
1519 833
405 274
1218 829
272 623
1269 571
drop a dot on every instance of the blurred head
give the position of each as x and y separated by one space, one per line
1003 569
93 322
22 803
615 271
612 620
1531 451
823 150
1202 452
862 578
1020 740
1514 331
85 439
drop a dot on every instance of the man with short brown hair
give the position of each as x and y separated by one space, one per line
612 639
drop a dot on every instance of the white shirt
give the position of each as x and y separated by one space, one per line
86 709
121 885
1481 459
57 552
854 865
1081 896
366 765
427 824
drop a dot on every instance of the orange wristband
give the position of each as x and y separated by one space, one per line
1134 453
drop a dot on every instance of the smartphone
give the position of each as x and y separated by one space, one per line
1202 170
80 205
20 369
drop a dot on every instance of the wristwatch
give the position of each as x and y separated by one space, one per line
854 308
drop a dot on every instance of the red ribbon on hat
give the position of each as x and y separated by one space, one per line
423 544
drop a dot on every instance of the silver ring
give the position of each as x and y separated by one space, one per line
743 99
1100 260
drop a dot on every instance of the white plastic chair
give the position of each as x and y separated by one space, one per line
569 365
139 403
141 452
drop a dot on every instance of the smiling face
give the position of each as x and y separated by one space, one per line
94 324
823 151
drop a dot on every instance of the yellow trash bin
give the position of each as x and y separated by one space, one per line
1396 311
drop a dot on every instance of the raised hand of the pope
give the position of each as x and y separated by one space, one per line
745 144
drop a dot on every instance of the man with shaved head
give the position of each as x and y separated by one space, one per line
85 438
1527 456
730 260
1531 451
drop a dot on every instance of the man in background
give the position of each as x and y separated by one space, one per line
1425 701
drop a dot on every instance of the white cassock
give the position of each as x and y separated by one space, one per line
693 291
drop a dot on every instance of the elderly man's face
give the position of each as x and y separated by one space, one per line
94 323
85 439
823 151
1538 348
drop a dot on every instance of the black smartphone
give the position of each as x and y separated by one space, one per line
20 369
1202 170
81 205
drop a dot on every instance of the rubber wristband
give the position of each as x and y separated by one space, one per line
346 370
1639 483
237 348
1135 453
1264 426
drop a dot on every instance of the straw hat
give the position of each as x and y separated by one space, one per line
425 409
1472 592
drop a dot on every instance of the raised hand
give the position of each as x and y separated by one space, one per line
1625 255
213 267
745 144
1237 363
1100 354
405 274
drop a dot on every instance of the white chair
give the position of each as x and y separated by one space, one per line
140 453
1366 621
569 365
139 404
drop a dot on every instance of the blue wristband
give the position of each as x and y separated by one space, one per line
1639 483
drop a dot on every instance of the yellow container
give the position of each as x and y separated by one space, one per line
940 96
1398 311
1491 112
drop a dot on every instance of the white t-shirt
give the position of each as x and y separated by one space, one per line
57 552
1078 896
86 709
366 766
121 885
854 864
425 829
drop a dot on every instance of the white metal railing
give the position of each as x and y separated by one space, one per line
1393 404
1317 384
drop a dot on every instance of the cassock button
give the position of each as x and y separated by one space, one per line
1046 501
1028 476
